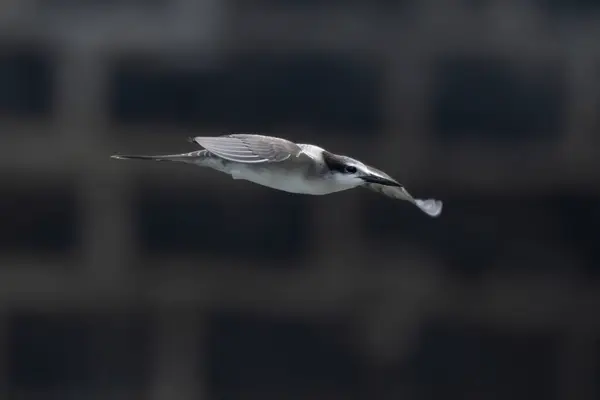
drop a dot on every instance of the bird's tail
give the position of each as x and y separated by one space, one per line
184 157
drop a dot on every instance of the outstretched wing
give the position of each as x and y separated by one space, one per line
431 207
247 148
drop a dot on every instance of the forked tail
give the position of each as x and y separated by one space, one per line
184 157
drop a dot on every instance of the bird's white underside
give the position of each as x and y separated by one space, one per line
287 182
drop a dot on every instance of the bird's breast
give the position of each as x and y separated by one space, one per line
285 179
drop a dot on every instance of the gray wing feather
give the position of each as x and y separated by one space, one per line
431 207
391 191
247 148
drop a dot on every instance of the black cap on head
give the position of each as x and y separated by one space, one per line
334 162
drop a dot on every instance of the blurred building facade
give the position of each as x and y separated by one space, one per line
151 281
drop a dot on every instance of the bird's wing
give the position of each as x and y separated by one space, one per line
431 207
247 148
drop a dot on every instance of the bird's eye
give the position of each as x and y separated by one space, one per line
350 169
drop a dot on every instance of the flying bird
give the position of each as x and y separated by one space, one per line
291 167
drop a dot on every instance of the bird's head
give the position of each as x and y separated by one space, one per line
351 172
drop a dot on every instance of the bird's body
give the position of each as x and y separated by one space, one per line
295 168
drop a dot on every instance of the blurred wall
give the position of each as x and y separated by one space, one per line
150 281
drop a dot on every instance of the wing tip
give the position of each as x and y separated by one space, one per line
431 207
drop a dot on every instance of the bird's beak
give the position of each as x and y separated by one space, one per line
380 180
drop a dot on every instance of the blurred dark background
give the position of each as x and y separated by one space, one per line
127 280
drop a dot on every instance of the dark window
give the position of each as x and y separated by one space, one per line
253 93
487 98
100 5
48 351
578 8
467 235
579 226
197 221
477 232
252 354
77 351
469 362
26 79
39 218
375 5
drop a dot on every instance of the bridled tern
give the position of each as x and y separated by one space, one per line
296 168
